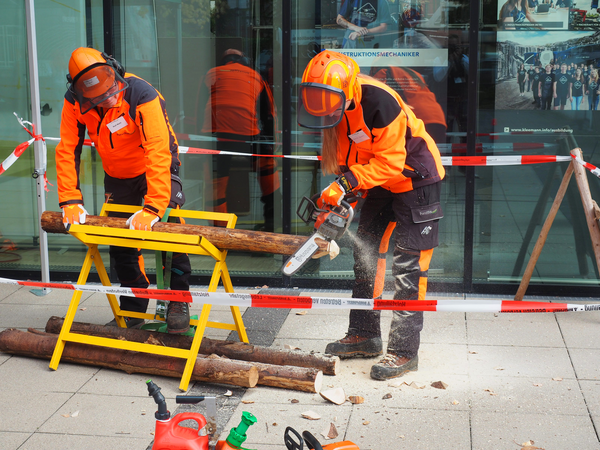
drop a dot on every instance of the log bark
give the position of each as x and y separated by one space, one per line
209 369
222 238
328 364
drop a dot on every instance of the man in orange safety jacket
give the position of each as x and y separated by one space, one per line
377 146
126 119
236 106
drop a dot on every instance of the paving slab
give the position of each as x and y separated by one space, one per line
23 316
538 331
585 363
449 328
33 374
62 441
6 290
507 361
115 382
52 297
103 415
579 329
502 431
13 441
400 428
26 410
526 395
591 392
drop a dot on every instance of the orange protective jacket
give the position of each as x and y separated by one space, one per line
145 143
414 91
383 143
238 98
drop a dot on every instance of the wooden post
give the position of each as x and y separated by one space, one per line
537 249
591 210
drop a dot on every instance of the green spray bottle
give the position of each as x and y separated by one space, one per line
237 435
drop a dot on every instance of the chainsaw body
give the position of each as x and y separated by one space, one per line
331 222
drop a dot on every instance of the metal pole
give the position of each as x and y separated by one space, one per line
39 146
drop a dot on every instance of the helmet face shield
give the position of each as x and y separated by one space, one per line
320 106
96 85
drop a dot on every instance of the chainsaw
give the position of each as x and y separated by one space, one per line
331 222
293 441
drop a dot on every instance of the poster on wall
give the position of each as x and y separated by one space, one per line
548 70
528 15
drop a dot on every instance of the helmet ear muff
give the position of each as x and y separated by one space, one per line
114 64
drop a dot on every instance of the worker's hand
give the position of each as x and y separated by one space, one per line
335 192
332 194
142 220
73 214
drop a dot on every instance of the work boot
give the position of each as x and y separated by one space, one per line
392 366
131 322
353 346
178 317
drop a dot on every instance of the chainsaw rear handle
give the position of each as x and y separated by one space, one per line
294 442
308 210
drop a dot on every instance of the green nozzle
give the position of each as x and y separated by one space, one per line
237 435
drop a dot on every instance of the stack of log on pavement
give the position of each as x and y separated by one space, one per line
234 363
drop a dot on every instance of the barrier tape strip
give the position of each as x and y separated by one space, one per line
595 170
448 147
10 160
304 302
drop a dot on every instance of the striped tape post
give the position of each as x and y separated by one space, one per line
305 302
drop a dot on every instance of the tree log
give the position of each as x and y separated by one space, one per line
210 369
222 238
328 364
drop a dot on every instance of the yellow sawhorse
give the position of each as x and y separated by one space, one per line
93 236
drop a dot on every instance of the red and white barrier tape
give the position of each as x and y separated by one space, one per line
14 155
304 302
508 160
595 170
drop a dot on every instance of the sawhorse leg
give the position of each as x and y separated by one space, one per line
92 257
220 272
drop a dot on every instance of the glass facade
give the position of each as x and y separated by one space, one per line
229 71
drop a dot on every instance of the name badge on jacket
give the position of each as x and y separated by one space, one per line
359 136
117 124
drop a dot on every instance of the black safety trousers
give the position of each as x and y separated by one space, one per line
413 219
128 262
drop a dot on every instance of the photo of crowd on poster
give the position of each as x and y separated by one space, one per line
548 70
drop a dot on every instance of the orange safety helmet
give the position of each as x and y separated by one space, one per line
94 77
329 80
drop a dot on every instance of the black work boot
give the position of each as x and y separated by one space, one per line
392 366
353 346
178 317
131 322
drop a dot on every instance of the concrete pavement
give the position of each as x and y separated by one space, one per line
511 378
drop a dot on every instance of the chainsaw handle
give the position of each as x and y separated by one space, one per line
293 442
311 441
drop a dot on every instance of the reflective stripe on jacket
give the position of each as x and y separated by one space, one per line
384 144
143 143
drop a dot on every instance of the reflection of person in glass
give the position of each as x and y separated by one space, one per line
546 88
362 17
562 87
238 109
126 119
411 86
592 89
376 145
577 84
